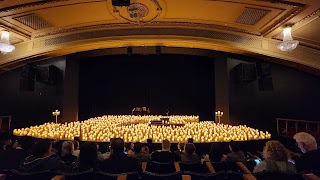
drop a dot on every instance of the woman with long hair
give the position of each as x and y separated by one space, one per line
276 158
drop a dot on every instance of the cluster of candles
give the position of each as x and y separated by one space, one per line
65 131
138 128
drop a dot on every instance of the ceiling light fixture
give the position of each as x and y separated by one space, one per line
5 46
288 43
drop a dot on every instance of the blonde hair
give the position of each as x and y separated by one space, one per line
306 139
67 148
276 151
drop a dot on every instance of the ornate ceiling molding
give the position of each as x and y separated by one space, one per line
283 21
277 36
29 5
155 23
307 17
287 3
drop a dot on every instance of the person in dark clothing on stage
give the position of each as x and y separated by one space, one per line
119 162
310 159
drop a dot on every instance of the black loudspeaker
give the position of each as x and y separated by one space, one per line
48 74
121 2
263 69
245 72
29 71
265 84
26 85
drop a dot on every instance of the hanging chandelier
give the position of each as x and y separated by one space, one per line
5 46
288 44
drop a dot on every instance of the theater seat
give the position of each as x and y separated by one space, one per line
206 176
123 176
161 168
43 175
193 167
156 176
266 175
84 175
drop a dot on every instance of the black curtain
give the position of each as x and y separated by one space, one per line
180 84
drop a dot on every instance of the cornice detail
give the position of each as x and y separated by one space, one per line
29 5
286 3
155 23
297 11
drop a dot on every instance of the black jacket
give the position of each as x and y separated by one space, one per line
34 164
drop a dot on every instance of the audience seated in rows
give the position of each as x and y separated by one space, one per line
42 159
119 162
145 150
137 154
189 156
12 156
76 151
87 157
310 159
276 158
236 155
164 155
67 151
180 150
215 154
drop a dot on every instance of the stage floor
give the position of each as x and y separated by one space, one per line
140 128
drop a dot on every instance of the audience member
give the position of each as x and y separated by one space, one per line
119 162
180 150
11 158
310 159
76 151
129 148
138 154
67 151
42 159
236 154
276 158
163 155
215 153
5 141
145 150
189 155
87 157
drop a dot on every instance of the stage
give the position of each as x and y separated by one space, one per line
141 128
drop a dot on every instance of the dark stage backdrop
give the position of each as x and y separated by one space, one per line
182 84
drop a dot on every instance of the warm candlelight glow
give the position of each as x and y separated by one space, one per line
139 128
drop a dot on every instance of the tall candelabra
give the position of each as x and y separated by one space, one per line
219 115
56 113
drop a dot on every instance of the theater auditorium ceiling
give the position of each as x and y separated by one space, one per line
48 28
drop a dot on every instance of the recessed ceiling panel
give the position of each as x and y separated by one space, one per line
77 14
250 16
33 21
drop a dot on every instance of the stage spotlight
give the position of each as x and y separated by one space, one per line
121 2
158 50
129 51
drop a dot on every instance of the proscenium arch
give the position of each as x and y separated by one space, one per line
207 39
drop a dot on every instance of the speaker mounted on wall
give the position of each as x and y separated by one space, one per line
263 69
245 72
29 71
48 74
